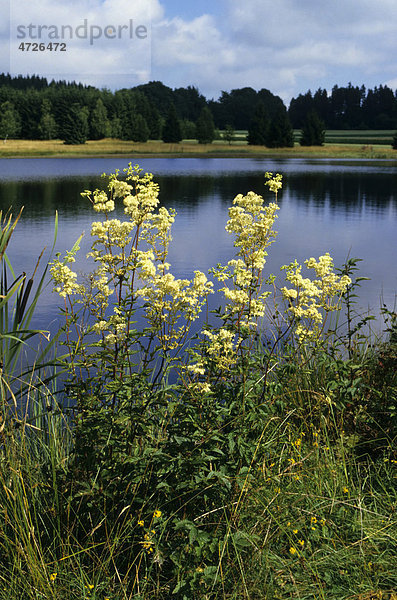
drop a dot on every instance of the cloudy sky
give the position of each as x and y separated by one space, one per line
286 46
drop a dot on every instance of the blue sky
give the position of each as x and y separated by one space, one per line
286 46
191 9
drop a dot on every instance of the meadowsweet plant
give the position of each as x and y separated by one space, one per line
242 285
309 300
156 464
251 222
132 270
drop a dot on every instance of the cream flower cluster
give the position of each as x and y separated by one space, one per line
143 194
112 232
100 201
309 299
116 327
222 348
219 352
63 277
156 232
274 182
169 299
251 222
119 188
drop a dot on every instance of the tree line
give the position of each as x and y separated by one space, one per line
33 108
350 107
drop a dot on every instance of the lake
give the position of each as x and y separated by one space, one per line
345 207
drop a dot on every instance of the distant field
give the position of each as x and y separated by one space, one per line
338 136
371 137
353 136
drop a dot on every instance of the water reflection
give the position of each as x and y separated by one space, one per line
344 207
346 190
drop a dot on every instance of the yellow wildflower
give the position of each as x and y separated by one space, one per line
274 183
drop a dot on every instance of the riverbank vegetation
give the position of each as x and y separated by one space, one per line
255 459
236 148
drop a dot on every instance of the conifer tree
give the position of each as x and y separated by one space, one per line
313 132
205 129
75 125
153 121
172 129
280 133
259 126
139 129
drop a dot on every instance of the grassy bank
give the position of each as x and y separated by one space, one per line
305 513
188 148
235 465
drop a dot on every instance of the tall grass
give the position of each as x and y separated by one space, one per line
309 515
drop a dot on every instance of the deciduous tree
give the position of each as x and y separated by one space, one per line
10 123
99 122
228 134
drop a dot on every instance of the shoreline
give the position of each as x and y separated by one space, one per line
109 148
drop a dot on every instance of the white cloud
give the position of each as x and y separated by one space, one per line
177 41
287 47
102 38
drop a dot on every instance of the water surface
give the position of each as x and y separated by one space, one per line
345 207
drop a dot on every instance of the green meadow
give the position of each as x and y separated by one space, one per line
370 137
338 144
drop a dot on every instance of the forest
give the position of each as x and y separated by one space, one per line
33 108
